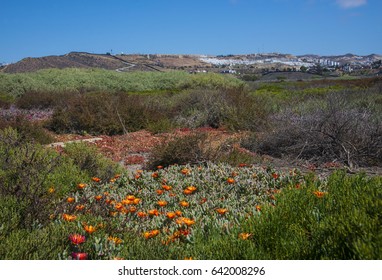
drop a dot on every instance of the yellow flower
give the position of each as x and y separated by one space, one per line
51 190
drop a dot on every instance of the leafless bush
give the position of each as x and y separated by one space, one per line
336 130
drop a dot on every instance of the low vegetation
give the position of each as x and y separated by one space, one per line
199 197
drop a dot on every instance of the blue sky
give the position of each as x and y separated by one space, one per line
54 27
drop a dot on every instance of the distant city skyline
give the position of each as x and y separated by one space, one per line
211 27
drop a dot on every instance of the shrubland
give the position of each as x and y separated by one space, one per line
198 197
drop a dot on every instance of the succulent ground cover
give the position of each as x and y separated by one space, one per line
170 205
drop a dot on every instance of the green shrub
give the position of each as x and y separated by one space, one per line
28 131
90 161
345 223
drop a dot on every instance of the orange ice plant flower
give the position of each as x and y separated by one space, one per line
89 229
185 171
319 194
230 180
162 203
141 214
81 186
69 218
70 199
96 179
221 211
167 187
80 207
171 215
98 197
244 236
153 212
184 203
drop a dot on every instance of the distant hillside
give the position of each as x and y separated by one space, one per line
166 62
121 63
70 60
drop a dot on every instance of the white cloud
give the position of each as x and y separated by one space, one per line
351 3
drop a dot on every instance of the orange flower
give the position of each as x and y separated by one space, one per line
116 176
113 213
230 180
186 221
115 240
159 192
244 236
136 201
80 207
137 176
162 203
119 206
166 187
89 229
70 199
258 208
112 180
171 215
187 192
96 179
132 209
155 175
275 175
190 190
98 197
159 167
178 213
51 190
130 197
153 212
77 239
221 211
68 217
319 194
81 186
184 203
185 171
151 234
243 165
141 214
